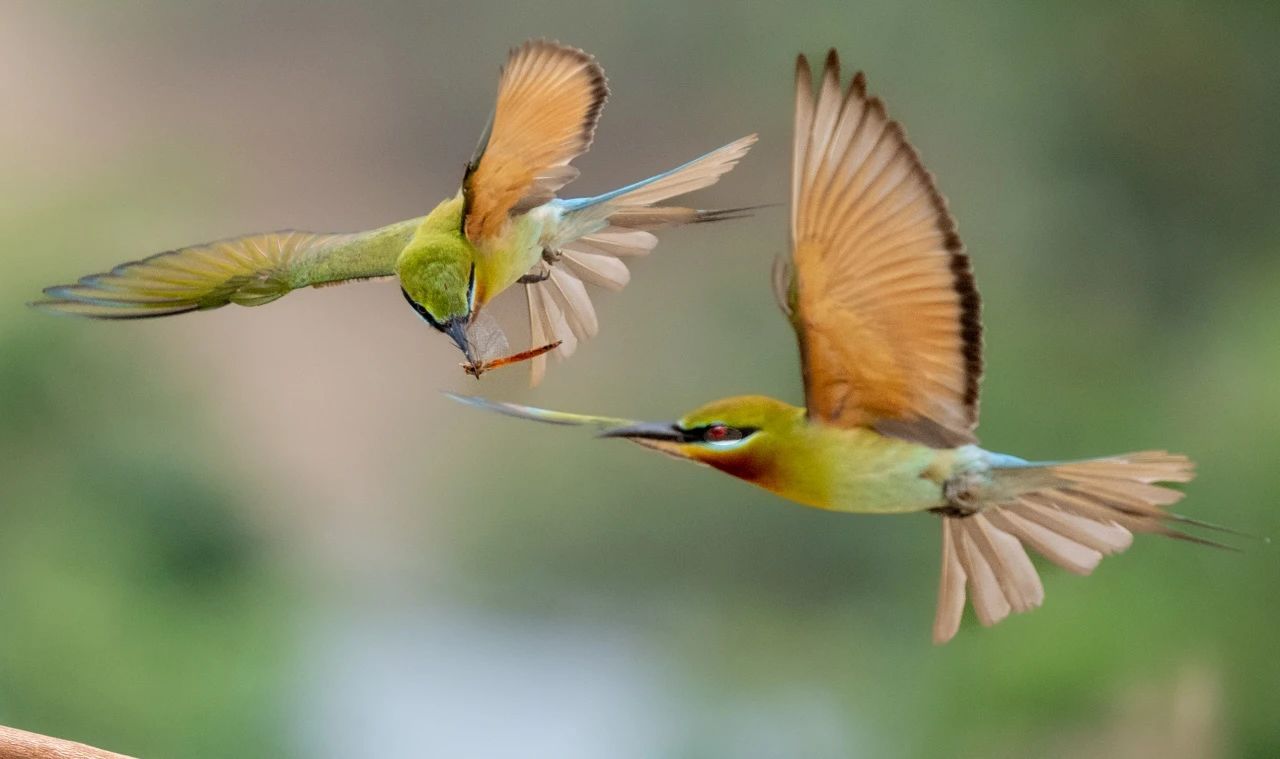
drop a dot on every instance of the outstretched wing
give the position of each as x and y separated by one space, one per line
549 100
248 271
880 292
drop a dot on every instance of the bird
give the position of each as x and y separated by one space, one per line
504 226
883 302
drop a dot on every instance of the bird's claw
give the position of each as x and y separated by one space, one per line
533 279
551 258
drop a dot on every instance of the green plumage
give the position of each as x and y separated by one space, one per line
248 271
363 255
435 268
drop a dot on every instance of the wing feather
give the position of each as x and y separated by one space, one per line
248 271
549 100
879 288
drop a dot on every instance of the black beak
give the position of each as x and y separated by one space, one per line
456 329
648 431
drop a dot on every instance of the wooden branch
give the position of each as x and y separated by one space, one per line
19 744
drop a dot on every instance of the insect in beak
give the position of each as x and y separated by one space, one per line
476 368
456 329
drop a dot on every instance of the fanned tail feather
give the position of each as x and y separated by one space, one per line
596 233
701 172
1071 513
656 217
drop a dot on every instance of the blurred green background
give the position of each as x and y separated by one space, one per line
265 533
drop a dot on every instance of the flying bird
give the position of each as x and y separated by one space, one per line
504 226
882 299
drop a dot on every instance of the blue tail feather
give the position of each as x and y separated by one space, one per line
577 204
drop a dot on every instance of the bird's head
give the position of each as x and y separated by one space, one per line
739 436
442 291
750 437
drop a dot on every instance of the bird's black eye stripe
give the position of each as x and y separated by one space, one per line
727 434
422 311
689 436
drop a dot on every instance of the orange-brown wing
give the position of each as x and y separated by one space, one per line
881 294
549 100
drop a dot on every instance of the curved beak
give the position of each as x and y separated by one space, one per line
541 414
456 329
663 437
658 431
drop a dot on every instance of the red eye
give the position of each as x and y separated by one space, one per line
719 433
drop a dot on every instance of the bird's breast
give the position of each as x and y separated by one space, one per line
500 262
859 470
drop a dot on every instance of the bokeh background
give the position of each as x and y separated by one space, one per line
265 533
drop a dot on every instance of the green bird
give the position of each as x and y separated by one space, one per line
504 226
880 293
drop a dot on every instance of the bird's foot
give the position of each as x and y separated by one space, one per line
476 368
533 279
961 496
550 258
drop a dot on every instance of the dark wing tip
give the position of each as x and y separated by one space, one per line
964 283
597 81
859 84
804 74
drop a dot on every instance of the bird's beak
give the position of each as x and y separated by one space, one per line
659 436
541 414
457 331
655 431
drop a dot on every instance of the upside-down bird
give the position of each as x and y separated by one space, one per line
504 226
882 299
